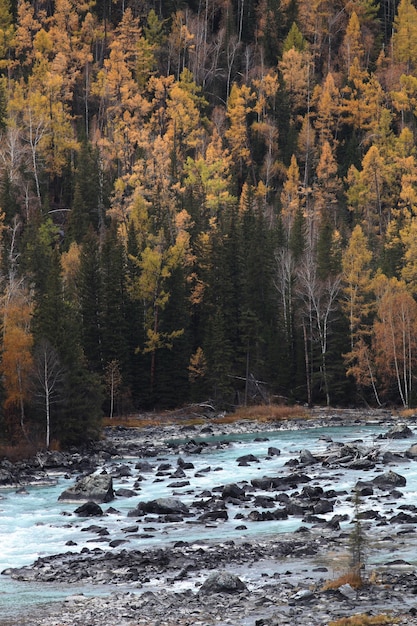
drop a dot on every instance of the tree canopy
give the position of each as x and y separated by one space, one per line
197 195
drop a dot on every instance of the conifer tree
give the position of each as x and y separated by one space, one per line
91 302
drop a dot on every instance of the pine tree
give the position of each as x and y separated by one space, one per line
91 302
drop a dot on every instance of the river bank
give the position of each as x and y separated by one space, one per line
282 579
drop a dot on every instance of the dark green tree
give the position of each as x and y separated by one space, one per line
88 200
91 301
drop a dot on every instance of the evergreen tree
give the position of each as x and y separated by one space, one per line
91 301
77 416
88 201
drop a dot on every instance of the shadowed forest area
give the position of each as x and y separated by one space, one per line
204 200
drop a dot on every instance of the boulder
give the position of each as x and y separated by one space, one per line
89 509
222 582
411 453
399 431
306 458
364 488
388 480
279 482
123 471
247 458
361 464
233 491
94 488
125 493
213 515
273 451
322 506
312 492
304 595
144 466
184 465
160 506
6 477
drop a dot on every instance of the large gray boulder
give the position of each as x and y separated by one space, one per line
160 506
232 490
222 582
399 431
411 453
89 509
389 480
93 488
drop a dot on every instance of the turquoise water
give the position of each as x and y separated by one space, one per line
37 524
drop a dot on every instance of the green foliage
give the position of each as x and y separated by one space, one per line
294 39
183 189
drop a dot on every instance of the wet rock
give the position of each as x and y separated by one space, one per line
247 458
279 482
130 529
304 595
179 473
364 489
411 453
178 484
312 492
322 506
266 502
184 465
348 591
89 509
214 515
123 471
160 506
95 488
233 490
222 582
388 480
306 458
273 451
392 457
403 518
7 477
144 466
399 431
125 493
361 464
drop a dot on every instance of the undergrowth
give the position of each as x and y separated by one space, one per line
364 620
266 413
18 452
352 578
192 416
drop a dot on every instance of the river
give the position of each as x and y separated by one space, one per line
37 524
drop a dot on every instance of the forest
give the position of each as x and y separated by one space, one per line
204 201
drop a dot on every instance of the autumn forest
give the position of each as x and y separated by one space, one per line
204 201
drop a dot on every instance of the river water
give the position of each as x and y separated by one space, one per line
37 524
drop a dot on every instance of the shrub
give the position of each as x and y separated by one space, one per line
364 620
352 578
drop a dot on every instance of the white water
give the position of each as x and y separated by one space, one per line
37 524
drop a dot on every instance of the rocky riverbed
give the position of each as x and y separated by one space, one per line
248 582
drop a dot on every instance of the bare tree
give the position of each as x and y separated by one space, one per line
113 382
48 380
318 299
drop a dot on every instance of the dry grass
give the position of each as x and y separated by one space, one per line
364 620
193 416
352 578
152 419
407 413
18 452
267 413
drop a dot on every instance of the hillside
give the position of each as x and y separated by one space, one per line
210 200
